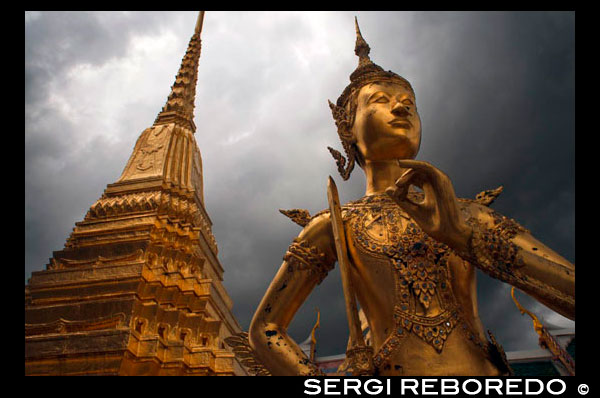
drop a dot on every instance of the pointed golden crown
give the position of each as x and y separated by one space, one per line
367 71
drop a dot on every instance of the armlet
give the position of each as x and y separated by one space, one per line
493 249
302 256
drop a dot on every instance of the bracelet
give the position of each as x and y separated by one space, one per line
315 371
358 362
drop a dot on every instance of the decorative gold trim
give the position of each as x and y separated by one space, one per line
245 354
302 256
62 325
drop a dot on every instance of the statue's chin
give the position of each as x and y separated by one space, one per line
390 145
393 157
393 153
401 141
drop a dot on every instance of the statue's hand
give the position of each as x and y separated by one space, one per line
438 214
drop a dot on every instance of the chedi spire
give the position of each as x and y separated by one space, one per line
180 103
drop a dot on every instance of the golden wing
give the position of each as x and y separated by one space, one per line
299 216
487 197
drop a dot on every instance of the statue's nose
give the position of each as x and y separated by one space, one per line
401 109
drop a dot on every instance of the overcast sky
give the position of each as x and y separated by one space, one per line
495 92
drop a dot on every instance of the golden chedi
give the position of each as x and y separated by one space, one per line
412 254
137 289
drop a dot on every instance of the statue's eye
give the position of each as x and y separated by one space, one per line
407 102
382 99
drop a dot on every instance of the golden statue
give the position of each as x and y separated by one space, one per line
411 253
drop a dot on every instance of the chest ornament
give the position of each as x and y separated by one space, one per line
424 302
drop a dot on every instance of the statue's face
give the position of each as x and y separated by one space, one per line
387 125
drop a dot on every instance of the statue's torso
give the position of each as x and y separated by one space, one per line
419 297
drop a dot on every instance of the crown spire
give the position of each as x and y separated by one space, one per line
361 49
180 103
199 21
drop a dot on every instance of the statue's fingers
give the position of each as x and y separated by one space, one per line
397 193
416 164
412 177
430 193
413 209
405 178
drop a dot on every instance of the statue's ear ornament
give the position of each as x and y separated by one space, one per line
338 113
340 160
342 123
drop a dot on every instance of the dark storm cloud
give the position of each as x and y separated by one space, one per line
495 93
56 40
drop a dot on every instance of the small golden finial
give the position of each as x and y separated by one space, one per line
199 21
361 48
537 325
313 340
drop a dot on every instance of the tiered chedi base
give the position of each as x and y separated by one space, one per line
136 291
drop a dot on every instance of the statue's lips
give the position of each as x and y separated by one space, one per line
400 123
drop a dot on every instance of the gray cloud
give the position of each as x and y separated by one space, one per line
495 92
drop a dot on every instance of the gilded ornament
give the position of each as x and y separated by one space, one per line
302 256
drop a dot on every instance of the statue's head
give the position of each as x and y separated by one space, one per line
376 115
